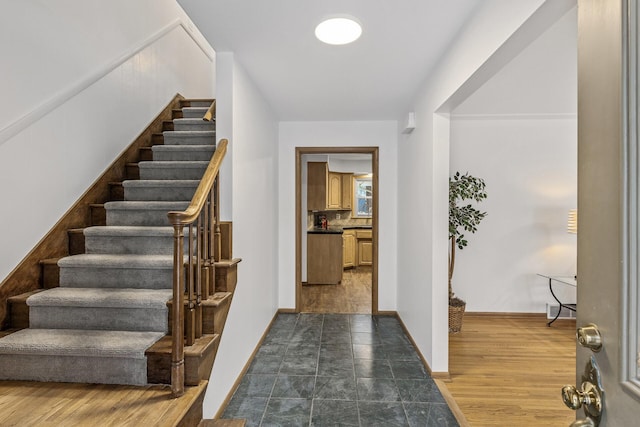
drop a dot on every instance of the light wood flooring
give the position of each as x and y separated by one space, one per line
508 371
62 404
352 295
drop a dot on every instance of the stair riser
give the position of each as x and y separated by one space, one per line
171 172
165 194
173 138
182 156
197 125
99 318
143 245
75 369
136 278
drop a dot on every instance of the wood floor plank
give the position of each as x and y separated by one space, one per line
63 404
508 371
352 295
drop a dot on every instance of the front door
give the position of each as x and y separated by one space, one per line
608 203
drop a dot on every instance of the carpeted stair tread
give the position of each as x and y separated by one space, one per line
79 342
160 189
189 137
199 102
185 124
147 204
128 231
138 271
121 239
169 169
101 297
194 112
166 183
128 261
141 213
173 163
182 152
106 309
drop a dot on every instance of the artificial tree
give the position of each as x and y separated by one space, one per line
462 218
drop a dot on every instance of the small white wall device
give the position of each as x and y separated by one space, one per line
411 123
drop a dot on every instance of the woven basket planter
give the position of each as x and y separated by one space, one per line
456 313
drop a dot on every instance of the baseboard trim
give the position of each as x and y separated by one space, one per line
504 315
287 311
453 405
413 343
388 313
442 376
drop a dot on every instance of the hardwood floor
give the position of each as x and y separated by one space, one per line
508 371
352 295
63 404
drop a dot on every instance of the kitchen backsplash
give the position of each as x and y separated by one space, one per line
345 219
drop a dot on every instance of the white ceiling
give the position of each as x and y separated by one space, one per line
303 79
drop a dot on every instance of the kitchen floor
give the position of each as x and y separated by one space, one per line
352 295
338 369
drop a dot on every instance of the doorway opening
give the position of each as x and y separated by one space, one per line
337 229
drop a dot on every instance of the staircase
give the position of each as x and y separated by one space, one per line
103 315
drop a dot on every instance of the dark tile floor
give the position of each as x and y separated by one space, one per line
338 370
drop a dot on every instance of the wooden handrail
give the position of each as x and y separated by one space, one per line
211 112
196 280
199 199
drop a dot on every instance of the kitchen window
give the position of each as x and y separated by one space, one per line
363 197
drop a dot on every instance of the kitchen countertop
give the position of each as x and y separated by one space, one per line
337 230
330 230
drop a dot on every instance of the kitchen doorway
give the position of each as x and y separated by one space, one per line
339 288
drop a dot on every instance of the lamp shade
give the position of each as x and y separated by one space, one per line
572 223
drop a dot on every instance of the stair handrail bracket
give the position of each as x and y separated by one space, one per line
193 274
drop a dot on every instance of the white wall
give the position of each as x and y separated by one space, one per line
380 134
530 168
81 81
423 158
254 158
519 132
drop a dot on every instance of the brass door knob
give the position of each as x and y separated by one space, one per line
589 397
589 336
587 422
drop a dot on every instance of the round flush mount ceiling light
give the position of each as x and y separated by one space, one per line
338 31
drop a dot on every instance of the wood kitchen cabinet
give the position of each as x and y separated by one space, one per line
324 258
347 191
365 247
328 190
348 249
334 190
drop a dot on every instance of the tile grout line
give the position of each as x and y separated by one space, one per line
355 375
315 378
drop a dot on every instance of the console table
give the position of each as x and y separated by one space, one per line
564 281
